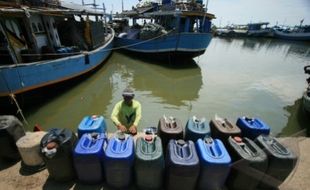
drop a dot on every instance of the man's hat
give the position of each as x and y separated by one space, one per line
128 92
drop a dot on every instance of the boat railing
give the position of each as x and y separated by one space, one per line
33 57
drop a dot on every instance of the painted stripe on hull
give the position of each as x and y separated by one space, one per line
25 77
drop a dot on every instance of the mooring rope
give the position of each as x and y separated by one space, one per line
19 110
143 41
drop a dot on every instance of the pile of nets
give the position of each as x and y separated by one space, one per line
151 30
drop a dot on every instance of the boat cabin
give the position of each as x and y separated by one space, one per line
41 30
174 16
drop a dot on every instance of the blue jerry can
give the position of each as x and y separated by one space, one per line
88 156
214 163
252 127
119 160
182 165
94 123
196 128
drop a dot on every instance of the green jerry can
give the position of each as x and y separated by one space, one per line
149 162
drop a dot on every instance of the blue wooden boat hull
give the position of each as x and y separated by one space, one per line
20 78
187 44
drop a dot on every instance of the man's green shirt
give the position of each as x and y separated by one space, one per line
126 115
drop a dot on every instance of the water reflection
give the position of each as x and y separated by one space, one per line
173 85
86 97
251 77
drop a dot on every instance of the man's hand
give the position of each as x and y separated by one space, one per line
122 128
133 129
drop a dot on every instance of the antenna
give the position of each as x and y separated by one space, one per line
122 5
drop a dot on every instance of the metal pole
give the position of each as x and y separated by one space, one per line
105 19
207 3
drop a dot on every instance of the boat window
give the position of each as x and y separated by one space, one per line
34 27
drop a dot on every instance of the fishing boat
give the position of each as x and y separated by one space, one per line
300 33
259 30
170 29
48 42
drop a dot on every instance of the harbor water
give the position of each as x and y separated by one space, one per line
261 78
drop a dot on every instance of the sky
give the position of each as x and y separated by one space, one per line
281 12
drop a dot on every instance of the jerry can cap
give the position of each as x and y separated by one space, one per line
237 139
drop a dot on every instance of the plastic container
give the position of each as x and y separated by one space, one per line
281 161
196 128
88 157
252 127
119 160
249 164
169 128
222 129
214 163
29 148
11 130
91 124
56 149
182 165
149 162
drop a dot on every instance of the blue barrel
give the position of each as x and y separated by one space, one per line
252 127
91 124
182 165
88 156
223 128
281 161
164 2
56 149
118 161
149 162
214 163
169 128
249 164
196 128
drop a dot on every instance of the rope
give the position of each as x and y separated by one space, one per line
18 109
142 41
